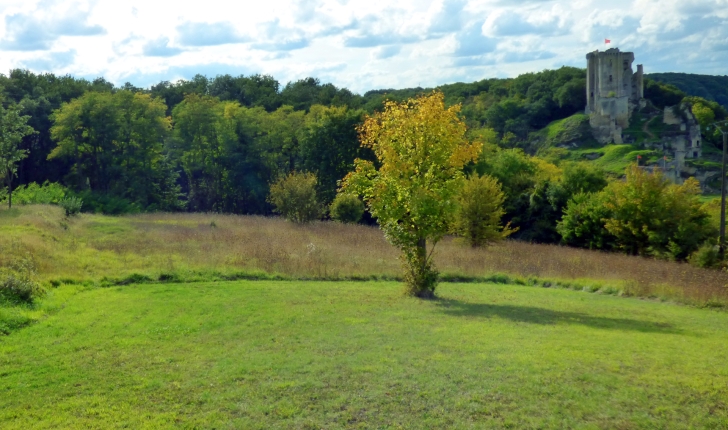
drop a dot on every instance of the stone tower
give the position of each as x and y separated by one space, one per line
613 91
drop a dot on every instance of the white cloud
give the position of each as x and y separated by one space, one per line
359 44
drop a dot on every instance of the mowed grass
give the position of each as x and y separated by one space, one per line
294 354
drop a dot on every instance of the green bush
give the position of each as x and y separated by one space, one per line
48 193
582 224
72 205
17 289
707 256
294 197
479 213
107 204
347 208
17 285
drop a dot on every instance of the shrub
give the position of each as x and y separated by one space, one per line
583 222
707 256
17 285
347 208
479 213
48 193
72 205
107 204
17 289
294 197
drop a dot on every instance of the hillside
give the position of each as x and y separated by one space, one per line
709 87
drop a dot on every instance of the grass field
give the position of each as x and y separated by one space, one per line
197 247
292 354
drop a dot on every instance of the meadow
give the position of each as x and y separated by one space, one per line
97 249
222 321
303 354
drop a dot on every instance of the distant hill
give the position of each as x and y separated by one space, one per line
710 87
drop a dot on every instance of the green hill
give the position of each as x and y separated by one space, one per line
714 88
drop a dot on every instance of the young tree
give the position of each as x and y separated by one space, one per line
421 149
480 209
13 127
294 197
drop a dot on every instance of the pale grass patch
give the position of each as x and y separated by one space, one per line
94 246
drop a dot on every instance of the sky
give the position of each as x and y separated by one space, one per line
357 44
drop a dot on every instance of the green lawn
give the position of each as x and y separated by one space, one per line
261 354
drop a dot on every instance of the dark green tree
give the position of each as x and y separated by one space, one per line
13 127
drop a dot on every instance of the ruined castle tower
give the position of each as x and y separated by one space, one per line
613 91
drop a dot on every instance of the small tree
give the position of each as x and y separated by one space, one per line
13 129
347 208
294 197
421 148
480 209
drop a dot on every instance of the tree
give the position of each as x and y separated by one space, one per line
480 209
550 197
116 143
329 145
13 127
294 197
644 215
421 149
650 216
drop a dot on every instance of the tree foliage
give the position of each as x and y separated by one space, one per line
421 148
479 212
13 128
644 215
346 208
294 197
115 141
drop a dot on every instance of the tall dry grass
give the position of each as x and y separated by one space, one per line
94 246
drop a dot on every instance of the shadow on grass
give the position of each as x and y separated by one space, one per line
532 315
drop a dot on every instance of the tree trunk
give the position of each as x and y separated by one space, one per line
10 192
422 253
425 289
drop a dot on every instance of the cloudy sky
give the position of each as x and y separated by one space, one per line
358 44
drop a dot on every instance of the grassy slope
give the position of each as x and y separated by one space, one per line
335 355
615 158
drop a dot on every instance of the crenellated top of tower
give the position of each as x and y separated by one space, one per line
609 52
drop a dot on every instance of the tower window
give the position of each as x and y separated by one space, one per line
610 78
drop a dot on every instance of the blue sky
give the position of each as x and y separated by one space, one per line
358 44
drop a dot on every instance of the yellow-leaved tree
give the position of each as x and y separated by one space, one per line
421 149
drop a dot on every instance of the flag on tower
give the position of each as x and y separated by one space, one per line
606 41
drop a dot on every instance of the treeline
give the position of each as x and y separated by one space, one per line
713 88
216 143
